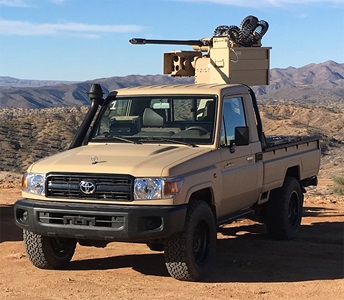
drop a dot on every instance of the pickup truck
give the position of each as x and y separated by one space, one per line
165 166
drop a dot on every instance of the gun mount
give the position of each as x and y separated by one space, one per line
233 55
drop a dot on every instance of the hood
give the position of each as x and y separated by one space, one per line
134 159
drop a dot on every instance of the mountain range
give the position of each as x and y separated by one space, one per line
320 84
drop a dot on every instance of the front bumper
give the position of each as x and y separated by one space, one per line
99 222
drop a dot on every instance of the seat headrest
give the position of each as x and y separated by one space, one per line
153 118
209 111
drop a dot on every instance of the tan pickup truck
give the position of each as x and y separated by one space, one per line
168 165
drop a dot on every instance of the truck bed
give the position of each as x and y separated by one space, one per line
297 156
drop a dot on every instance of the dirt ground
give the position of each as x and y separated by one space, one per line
248 264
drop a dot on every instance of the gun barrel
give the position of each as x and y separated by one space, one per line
139 41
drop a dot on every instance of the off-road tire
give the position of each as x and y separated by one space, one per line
48 252
283 212
189 254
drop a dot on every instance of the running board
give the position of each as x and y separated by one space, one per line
235 216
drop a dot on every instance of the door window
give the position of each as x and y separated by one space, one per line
233 116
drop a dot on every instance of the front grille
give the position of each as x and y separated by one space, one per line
81 220
98 186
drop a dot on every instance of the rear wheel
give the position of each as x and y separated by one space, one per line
284 210
189 254
48 252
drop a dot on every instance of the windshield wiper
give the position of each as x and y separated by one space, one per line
107 136
157 139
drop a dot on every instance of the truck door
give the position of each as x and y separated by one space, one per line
241 172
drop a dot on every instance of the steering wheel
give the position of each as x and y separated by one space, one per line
199 128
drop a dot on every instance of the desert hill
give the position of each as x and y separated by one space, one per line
7 81
320 84
27 135
72 94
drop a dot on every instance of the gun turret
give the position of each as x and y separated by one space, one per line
233 55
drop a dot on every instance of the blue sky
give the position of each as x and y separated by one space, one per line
88 39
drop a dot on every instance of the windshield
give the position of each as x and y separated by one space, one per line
157 119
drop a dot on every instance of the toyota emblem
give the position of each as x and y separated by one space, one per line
87 187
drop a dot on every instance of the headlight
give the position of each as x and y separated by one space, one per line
156 188
33 183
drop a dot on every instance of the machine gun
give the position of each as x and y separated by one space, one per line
233 55
199 43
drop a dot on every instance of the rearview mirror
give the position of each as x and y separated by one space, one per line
161 105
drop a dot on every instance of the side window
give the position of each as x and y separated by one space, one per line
233 116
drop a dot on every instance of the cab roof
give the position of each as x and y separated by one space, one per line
183 89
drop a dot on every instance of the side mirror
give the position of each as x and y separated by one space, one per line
242 136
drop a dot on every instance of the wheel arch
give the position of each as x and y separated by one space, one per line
293 171
205 193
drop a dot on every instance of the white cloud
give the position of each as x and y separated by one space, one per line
14 3
269 3
292 2
25 3
23 28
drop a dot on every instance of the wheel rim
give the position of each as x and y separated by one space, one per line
201 242
60 246
294 211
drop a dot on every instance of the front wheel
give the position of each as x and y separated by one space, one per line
189 254
48 252
284 210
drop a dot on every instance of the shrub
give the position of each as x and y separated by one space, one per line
339 184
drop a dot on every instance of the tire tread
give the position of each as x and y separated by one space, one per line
179 258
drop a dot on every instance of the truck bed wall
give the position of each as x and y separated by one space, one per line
305 156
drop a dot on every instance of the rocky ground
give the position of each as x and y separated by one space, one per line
248 264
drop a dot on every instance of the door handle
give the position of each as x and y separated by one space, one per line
228 165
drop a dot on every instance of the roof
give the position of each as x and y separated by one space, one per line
182 89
